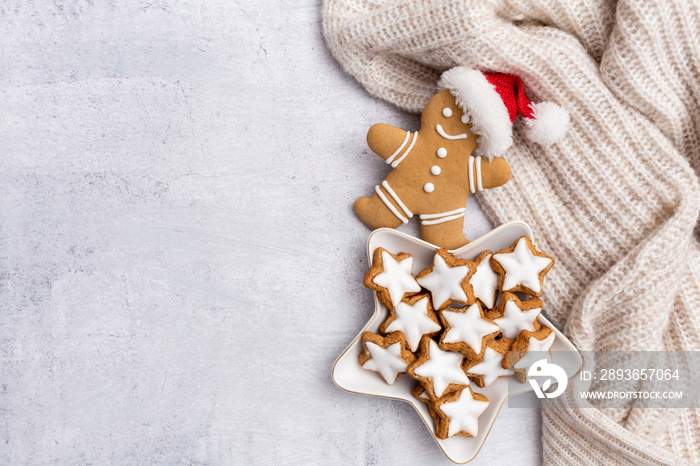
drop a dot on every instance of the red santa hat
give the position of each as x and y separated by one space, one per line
492 102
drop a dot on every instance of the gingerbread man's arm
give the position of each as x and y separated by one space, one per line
390 143
485 174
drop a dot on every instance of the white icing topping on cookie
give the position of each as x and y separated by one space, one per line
522 267
465 119
442 152
396 277
464 413
443 368
413 322
447 112
429 187
534 345
387 361
444 282
468 326
485 283
514 320
435 170
491 367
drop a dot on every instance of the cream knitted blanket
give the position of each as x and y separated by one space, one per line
616 202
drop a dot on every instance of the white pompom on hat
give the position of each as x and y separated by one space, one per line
493 100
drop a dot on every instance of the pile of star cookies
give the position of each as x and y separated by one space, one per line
456 323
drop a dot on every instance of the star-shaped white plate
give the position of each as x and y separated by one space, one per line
349 376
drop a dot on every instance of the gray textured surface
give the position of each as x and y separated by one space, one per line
180 262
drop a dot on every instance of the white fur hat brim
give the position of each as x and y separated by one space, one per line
482 103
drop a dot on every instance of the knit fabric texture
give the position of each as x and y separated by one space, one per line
616 202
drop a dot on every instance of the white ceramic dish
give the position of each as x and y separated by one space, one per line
351 377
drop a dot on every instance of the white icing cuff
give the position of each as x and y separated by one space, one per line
434 219
413 142
398 151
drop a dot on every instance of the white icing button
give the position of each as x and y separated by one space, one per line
447 112
465 118
435 170
442 152
429 188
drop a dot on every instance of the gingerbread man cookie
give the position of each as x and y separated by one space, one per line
454 154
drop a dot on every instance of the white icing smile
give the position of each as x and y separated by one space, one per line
442 133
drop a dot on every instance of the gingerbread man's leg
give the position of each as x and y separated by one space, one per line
444 229
383 209
374 213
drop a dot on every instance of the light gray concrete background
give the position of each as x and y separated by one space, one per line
180 264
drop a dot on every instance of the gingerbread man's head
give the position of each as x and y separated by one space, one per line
448 120
492 102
